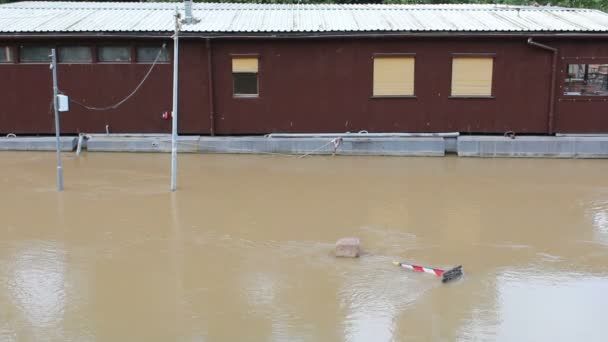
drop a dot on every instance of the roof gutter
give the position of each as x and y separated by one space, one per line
553 78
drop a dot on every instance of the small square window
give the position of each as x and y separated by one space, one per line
35 54
586 80
6 54
245 76
148 54
393 76
245 83
472 76
114 54
75 54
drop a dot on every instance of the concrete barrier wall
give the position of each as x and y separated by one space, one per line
141 143
533 146
465 146
37 144
324 146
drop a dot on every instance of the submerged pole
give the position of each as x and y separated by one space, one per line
57 128
174 110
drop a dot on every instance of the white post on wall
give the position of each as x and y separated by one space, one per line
174 110
57 128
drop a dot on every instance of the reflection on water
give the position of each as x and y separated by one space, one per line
597 212
600 223
531 306
600 220
242 252
374 303
35 283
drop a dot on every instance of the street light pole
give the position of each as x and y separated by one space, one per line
57 128
174 110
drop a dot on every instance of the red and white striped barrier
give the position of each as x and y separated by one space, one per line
417 268
446 275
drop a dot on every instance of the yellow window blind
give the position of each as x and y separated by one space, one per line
245 64
472 76
393 76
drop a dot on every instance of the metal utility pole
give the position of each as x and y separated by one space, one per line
174 110
57 128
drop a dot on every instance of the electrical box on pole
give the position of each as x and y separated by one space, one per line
63 103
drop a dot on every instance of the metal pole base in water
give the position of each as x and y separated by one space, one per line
59 178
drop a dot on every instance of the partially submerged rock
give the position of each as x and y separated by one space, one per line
349 247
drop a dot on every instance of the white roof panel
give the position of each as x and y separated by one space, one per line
66 17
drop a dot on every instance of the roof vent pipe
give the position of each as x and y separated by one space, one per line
188 11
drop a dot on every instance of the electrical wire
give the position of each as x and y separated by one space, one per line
332 141
119 103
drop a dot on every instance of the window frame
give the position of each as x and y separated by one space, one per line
565 61
473 55
21 46
130 47
143 45
394 55
91 49
259 90
12 53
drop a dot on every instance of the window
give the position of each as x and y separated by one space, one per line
472 76
75 54
114 54
148 54
393 76
6 54
35 54
586 80
245 76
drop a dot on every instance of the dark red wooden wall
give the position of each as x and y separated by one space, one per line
580 114
311 85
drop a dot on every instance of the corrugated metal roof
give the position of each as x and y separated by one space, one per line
34 16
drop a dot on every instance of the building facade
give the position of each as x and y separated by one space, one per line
258 69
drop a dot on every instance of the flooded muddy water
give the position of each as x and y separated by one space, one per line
242 252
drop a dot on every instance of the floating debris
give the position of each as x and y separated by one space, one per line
446 275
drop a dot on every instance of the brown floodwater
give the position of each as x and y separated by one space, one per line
242 252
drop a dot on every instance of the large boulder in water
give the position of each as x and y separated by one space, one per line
348 247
